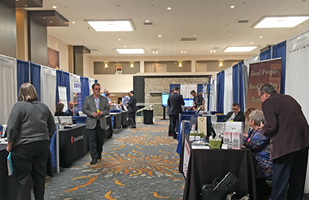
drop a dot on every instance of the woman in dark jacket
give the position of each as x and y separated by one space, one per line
29 128
59 109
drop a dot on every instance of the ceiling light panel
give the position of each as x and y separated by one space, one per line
281 22
240 49
131 51
124 25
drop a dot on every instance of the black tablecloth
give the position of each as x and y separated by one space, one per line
117 120
109 129
8 184
125 119
73 144
205 165
148 116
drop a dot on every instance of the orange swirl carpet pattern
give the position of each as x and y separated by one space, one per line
137 164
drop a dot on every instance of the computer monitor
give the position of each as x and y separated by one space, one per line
188 102
164 99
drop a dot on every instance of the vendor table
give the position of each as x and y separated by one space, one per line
117 120
207 164
8 184
73 144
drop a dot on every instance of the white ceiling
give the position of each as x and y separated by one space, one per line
213 22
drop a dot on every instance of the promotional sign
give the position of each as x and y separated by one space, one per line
261 73
77 100
186 157
63 97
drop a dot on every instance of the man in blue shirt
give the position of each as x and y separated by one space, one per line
125 98
105 92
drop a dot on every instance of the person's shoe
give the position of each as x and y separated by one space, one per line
132 126
170 135
93 161
99 157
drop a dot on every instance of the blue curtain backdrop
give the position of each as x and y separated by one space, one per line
22 73
62 79
84 88
279 50
238 85
265 55
173 86
95 81
199 88
220 92
35 74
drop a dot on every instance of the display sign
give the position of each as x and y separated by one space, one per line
63 97
77 100
164 99
261 73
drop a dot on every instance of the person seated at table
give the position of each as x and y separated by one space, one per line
250 130
259 145
59 108
71 111
236 115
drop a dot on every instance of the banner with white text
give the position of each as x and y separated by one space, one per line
261 73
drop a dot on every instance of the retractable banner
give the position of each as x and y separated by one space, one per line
261 73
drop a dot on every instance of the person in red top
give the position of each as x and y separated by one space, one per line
288 130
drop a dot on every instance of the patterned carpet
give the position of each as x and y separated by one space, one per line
137 164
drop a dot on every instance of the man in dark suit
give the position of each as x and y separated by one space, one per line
96 108
71 111
288 130
175 101
131 104
170 133
236 115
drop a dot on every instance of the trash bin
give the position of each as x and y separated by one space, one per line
148 115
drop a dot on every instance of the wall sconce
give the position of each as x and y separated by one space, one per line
106 66
180 65
220 64
132 66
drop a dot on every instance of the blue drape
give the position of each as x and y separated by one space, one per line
173 86
35 74
220 92
84 88
279 50
22 73
238 85
95 81
199 88
62 79
265 55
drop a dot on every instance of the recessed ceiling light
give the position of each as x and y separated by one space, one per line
73 22
181 52
251 42
54 7
281 22
50 21
214 51
119 39
194 35
26 5
124 25
240 49
131 51
147 20
210 51
169 8
159 36
232 7
261 36
185 51
124 46
44 17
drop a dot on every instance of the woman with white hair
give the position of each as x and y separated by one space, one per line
259 145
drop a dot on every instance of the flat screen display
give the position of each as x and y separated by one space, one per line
188 102
164 99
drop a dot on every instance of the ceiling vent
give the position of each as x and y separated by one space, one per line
216 48
148 23
188 39
243 21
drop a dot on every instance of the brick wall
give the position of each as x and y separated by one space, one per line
153 85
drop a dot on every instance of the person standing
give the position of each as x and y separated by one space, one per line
131 104
96 108
71 111
29 128
288 130
124 99
198 101
175 102
170 133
